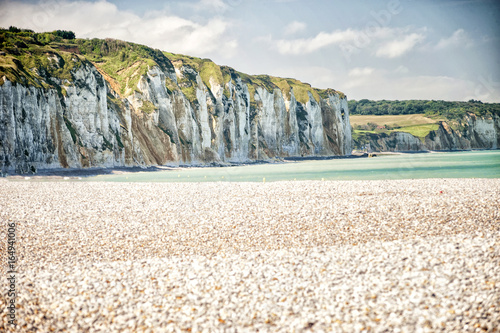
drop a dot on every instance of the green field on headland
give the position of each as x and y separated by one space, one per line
418 125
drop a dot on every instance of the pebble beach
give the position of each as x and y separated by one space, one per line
292 256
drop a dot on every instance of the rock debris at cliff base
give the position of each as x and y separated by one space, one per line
418 255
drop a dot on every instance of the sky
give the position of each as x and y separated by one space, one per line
387 49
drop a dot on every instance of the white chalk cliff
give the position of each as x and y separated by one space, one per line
170 116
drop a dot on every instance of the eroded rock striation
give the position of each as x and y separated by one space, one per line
67 105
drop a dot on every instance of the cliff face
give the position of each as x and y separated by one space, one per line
172 112
472 132
42 129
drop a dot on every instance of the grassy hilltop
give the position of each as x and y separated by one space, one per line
32 58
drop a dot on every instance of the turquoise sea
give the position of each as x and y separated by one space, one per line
469 164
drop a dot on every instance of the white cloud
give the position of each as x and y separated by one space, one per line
102 19
401 69
434 87
309 45
361 77
361 71
397 48
209 5
458 38
295 27
388 42
381 85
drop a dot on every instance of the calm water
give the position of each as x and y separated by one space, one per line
475 164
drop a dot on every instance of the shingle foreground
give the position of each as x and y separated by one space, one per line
408 255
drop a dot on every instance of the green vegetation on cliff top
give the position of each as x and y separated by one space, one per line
449 110
206 67
124 62
208 70
222 75
417 117
365 127
33 58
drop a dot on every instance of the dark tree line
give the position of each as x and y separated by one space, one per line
428 107
64 34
